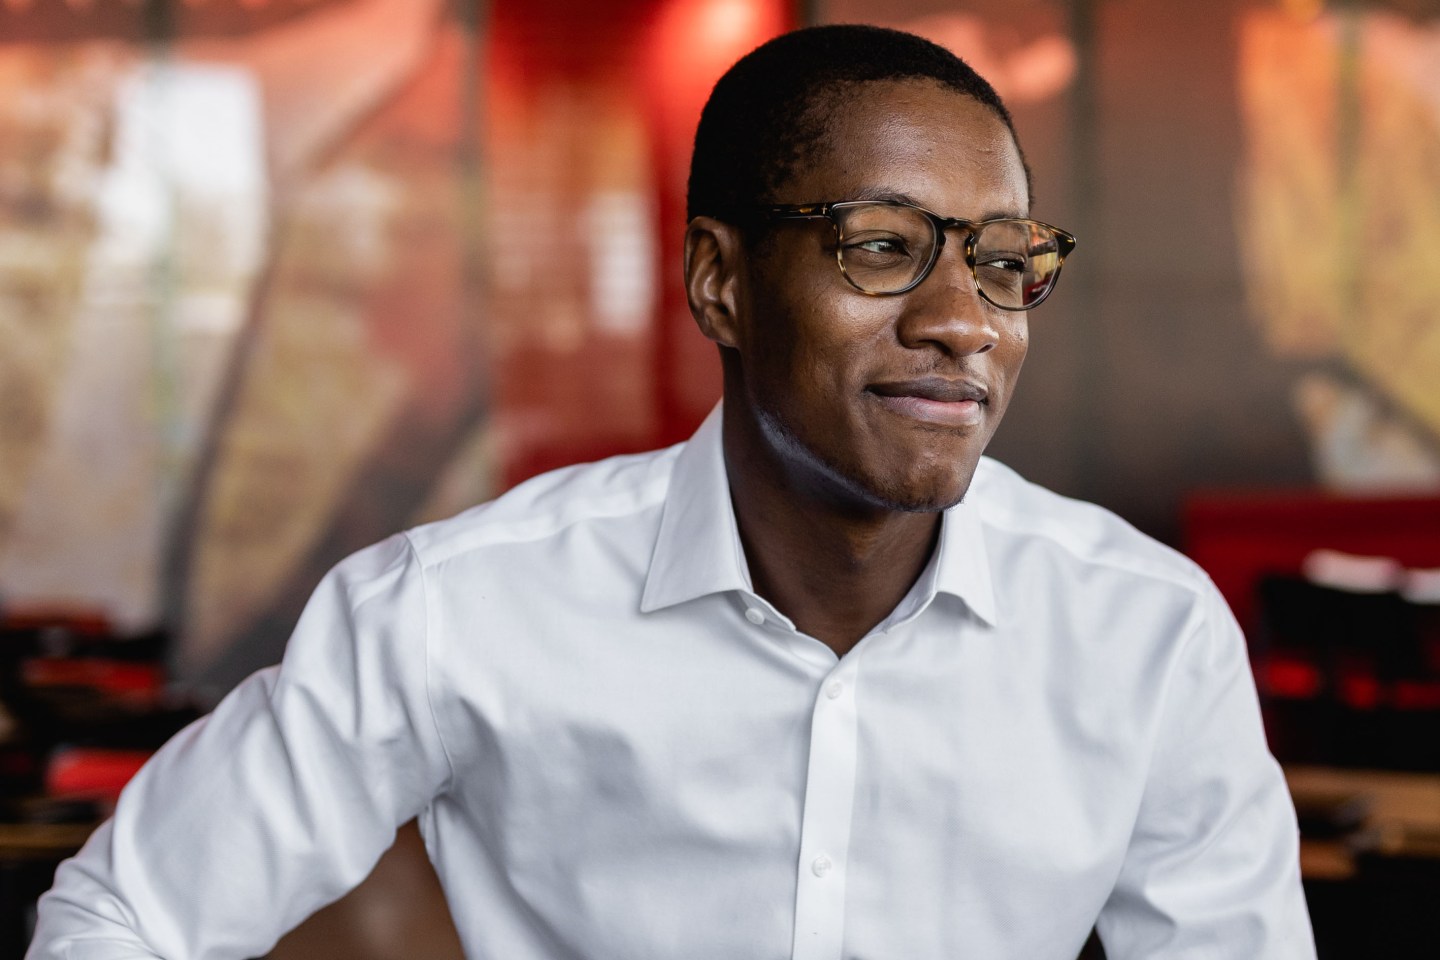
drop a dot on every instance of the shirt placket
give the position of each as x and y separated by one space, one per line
825 829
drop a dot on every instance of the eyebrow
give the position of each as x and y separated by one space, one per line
895 196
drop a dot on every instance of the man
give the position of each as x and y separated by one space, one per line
820 683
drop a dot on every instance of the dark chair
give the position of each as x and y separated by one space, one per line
1347 678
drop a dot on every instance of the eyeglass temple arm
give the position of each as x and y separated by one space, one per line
799 211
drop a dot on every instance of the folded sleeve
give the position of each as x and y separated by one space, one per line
1212 870
279 801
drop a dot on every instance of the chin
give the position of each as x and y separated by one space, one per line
919 497
919 481
922 491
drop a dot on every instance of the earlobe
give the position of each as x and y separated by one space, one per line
713 266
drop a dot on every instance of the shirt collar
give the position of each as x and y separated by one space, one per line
962 568
698 549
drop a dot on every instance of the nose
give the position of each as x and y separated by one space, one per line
947 311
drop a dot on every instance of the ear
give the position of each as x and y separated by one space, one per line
714 277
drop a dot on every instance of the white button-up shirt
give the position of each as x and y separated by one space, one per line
618 751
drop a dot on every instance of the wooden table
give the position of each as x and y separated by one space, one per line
1400 805
42 841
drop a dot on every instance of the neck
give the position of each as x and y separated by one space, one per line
834 566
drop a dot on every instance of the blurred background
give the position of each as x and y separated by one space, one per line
279 278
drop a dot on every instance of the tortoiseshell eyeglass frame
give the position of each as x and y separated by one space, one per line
1064 241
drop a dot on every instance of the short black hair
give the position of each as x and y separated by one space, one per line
770 110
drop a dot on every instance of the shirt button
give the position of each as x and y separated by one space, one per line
821 866
755 615
834 688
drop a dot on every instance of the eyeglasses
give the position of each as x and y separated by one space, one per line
886 247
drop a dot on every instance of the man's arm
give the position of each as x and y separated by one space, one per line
1213 867
277 803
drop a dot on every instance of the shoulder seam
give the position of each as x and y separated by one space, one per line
992 516
533 528
425 631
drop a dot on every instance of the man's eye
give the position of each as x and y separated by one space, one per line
881 245
1010 262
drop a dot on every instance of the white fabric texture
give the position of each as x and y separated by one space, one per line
617 751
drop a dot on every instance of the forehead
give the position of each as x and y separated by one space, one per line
915 140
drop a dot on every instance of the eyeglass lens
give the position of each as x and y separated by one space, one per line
885 248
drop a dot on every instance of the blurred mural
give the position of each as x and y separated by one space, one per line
205 216
280 277
1339 219
1023 47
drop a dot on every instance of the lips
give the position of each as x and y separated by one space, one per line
933 388
935 400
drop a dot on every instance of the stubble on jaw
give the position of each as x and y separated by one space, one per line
837 484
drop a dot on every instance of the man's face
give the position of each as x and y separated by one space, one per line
862 397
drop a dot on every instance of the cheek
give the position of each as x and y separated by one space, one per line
1014 345
811 342
836 357
1008 357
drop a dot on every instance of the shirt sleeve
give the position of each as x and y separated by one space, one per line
1212 870
278 802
